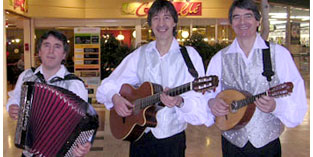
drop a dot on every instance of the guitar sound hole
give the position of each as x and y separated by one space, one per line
124 120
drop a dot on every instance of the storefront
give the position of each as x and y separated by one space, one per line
126 20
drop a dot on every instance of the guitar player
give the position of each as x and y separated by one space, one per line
240 66
160 62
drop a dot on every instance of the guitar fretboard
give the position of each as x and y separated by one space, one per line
153 99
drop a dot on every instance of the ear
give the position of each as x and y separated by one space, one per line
64 55
175 24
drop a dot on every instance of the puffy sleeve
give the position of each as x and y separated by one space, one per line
124 73
290 109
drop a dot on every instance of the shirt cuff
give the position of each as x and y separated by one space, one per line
280 108
186 107
109 96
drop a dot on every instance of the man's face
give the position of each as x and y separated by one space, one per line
51 52
244 23
162 25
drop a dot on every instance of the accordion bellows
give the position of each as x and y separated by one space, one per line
53 120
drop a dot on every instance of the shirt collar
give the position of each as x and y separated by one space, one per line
259 43
173 48
61 72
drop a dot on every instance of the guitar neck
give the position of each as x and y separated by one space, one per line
153 99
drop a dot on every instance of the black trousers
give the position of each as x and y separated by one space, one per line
272 149
149 146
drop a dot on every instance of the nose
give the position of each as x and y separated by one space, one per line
242 19
51 49
161 22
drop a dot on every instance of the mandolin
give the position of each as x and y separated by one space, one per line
242 105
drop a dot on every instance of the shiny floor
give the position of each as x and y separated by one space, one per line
201 141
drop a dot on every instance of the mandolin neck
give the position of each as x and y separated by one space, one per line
236 105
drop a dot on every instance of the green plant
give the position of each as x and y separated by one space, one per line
205 50
112 53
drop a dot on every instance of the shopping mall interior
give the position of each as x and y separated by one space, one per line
122 24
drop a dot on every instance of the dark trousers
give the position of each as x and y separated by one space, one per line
149 146
272 149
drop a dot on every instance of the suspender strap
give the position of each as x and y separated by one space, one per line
267 64
188 62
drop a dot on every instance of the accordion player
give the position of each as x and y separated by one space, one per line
53 120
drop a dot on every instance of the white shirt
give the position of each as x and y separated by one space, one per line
164 70
289 109
76 86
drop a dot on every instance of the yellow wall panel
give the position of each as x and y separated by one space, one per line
106 8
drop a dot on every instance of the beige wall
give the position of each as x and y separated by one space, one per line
105 8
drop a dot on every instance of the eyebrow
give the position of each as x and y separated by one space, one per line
243 14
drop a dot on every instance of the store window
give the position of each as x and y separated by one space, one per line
14 46
278 20
300 24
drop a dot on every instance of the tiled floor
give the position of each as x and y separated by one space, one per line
201 141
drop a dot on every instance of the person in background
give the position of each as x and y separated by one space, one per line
240 66
159 62
53 49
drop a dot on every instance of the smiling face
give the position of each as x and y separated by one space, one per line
244 23
162 24
51 53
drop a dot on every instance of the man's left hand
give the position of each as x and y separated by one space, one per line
170 101
265 103
82 150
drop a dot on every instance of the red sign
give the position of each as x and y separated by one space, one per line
22 4
182 8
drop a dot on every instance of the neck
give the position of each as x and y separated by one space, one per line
48 72
246 44
163 45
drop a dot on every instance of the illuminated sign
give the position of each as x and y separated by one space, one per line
182 8
22 4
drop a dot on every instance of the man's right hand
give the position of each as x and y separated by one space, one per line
218 107
13 111
122 106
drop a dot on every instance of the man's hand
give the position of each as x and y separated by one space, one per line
13 111
170 101
218 107
266 104
82 150
122 106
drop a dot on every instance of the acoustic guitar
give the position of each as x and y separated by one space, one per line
242 105
146 100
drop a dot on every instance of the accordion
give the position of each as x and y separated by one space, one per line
53 120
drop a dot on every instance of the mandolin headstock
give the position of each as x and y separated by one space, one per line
281 89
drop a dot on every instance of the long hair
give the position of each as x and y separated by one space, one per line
160 5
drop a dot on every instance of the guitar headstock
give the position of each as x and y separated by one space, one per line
205 83
281 89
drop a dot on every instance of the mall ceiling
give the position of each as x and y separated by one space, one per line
298 3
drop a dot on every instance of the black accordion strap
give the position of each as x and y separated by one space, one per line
56 79
267 64
188 62
66 77
40 77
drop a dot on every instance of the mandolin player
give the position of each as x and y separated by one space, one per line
240 66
